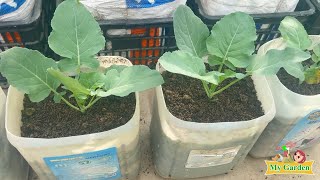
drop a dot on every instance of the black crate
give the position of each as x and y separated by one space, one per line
141 41
267 24
315 25
30 34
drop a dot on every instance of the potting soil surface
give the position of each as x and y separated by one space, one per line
249 169
47 119
292 83
186 99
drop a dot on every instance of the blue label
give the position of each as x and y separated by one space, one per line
146 3
9 6
98 165
304 134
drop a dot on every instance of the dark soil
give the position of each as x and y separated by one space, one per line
292 83
187 100
51 120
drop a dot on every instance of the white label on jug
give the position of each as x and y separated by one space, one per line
99 165
207 158
304 134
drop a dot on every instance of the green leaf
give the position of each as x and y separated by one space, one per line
190 32
227 74
26 70
230 74
262 65
67 65
229 65
90 62
184 63
289 58
92 80
213 76
214 60
240 75
112 76
73 85
296 70
315 58
312 75
119 68
232 39
316 54
75 35
316 50
131 79
57 97
294 33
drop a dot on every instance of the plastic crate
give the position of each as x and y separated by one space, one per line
267 24
141 41
30 34
315 24
24 34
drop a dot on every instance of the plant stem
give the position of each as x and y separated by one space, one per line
64 100
91 103
92 98
225 87
213 87
206 88
69 104
80 105
221 65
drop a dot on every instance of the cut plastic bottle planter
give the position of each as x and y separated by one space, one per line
66 156
297 120
184 149
12 165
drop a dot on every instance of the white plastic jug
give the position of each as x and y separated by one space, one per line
296 123
183 149
114 153
12 166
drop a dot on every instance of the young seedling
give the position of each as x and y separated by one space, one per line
296 36
76 37
228 49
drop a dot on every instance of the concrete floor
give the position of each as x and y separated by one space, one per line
251 168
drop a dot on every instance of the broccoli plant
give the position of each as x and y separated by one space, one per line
76 37
228 50
296 36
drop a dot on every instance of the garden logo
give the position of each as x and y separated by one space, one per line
285 164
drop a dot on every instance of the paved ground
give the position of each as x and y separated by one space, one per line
250 169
